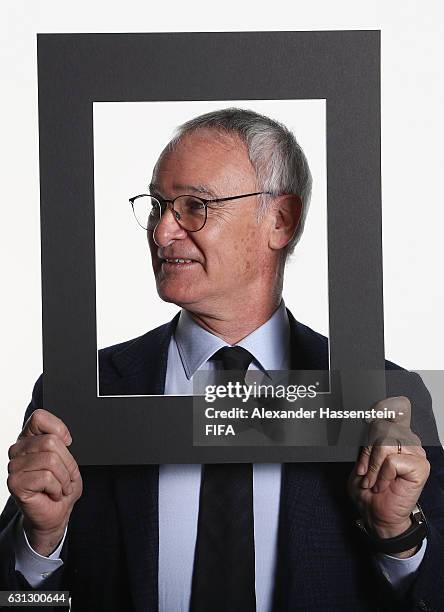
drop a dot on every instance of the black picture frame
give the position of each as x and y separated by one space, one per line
75 70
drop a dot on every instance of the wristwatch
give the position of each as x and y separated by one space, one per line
411 538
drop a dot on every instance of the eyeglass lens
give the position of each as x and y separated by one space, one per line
189 211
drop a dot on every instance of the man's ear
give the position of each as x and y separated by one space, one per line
286 211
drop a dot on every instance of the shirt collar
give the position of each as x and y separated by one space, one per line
269 343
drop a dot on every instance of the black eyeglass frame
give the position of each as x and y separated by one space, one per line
204 201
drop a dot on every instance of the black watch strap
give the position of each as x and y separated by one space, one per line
412 537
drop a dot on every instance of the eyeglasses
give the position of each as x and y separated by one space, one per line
189 211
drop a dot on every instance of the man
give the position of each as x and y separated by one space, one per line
148 538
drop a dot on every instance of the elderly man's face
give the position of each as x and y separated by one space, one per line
230 255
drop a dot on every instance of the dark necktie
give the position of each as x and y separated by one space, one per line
223 576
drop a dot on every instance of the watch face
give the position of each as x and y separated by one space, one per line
418 515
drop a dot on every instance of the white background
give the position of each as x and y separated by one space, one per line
128 138
412 159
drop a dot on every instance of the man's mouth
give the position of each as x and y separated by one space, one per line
177 260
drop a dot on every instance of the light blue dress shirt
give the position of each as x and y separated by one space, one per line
179 485
190 349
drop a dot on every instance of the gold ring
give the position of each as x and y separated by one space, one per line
399 447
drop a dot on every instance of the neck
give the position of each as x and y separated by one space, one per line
239 323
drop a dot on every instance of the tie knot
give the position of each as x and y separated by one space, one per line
234 358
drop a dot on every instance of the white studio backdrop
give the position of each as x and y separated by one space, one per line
412 80
128 138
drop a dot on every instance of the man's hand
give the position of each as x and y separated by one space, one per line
390 473
44 479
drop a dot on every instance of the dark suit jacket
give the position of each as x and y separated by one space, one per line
111 549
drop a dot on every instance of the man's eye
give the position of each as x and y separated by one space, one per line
189 205
195 205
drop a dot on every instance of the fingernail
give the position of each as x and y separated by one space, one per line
365 483
361 469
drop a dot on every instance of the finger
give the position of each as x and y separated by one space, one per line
412 446
24 486
44 422
362 462
399 409
397 438
388 433
386 475
393 435
380 450
408 467
45 443
377 457
43 461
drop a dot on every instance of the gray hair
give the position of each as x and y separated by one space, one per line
279 162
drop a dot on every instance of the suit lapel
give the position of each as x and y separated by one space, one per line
140 365
308 349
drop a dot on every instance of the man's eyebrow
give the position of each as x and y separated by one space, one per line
185 189
205 189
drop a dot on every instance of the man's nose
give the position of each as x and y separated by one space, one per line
168 229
